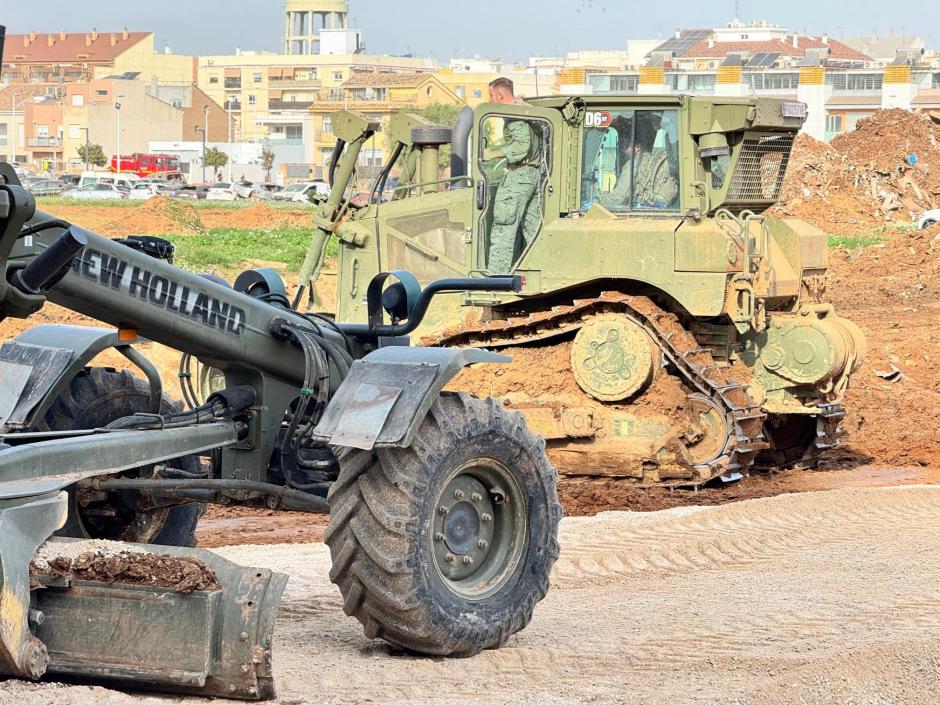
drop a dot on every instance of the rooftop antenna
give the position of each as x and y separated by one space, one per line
737 9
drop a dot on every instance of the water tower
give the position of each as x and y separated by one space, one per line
304 20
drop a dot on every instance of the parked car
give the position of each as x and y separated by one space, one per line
47 187
191 192
124 180
300 193
69 180
244 189
266 192
222 191
928 219
144 191
98 192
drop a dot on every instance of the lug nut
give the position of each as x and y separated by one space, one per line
486 517
467 560
443 511
449 558
439 536
458 494
482 544
476 496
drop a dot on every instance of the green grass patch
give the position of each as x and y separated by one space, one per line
231 248
851 242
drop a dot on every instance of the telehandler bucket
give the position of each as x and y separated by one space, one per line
211 639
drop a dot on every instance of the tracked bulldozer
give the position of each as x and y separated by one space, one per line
669 330
443 512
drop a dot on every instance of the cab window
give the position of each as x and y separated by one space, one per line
515 162
631 160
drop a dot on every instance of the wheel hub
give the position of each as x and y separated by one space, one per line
478 528
612 358
464 528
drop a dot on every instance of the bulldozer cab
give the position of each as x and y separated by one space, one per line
514 157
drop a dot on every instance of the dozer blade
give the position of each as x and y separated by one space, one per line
211 642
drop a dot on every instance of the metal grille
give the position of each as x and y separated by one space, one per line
761 167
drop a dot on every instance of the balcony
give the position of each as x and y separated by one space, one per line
46 142
294 83
289 105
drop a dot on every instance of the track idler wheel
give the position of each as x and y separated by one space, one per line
612 358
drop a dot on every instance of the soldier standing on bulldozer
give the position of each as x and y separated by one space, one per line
515 207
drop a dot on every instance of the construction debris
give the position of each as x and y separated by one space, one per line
886 171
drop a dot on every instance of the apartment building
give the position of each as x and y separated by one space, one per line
839 83
378 95
79 57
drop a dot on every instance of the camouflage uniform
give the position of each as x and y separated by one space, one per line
656 186
516 206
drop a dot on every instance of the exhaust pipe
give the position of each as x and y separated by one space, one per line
460 147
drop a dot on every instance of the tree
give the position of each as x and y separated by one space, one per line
267 161
95 156
216 158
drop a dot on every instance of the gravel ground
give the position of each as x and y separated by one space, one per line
802 599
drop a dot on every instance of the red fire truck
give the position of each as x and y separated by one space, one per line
148 166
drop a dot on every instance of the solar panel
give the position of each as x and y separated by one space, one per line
763 59
686 40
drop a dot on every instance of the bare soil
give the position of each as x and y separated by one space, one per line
821 598
132 568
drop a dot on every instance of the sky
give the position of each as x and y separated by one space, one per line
506 29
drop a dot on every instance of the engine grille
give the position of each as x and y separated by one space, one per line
758 176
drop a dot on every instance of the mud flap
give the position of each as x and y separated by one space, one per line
213 644
386 395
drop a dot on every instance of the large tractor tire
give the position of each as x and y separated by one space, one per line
93 399
446 546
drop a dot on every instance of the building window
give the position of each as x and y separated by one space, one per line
294 132
936 81
477 93
679 82
252 100
102 93
42 131
460 91
75 132
337 75
764 81
3 134
868 82
78 100
213 79
327 123
256 78
834 123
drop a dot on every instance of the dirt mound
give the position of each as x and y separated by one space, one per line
885 171
892 291
256 217
181 574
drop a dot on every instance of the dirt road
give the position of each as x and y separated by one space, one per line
823 597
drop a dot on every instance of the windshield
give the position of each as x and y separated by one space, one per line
295 188
630 160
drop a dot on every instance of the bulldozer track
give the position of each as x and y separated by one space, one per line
694 364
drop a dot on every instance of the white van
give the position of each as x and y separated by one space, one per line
124 179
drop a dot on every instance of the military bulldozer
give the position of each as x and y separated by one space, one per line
684 331
443 512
